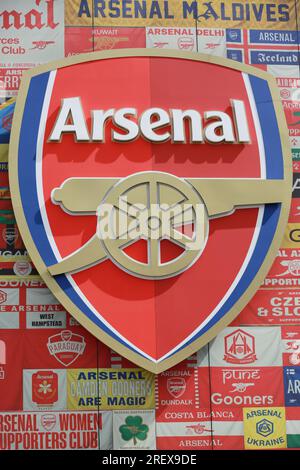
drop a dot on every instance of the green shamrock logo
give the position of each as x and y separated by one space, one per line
134 429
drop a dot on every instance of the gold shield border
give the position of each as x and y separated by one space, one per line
42 268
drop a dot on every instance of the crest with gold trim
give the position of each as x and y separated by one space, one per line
152 190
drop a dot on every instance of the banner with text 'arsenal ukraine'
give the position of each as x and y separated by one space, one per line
265 428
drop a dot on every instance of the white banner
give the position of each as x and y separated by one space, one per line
171 38
31 32
251 346
43 310
134 430
9 320
46 320
40 296
203 428
9 308
10 296
212 41
56 431
44 389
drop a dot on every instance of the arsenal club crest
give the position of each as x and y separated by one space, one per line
239 347
176 386
3 297
48 421
10 235
152 191
66 347
45 387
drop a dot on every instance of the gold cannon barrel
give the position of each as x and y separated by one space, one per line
82 194
221 196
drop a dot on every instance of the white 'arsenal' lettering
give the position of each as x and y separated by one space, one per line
154 124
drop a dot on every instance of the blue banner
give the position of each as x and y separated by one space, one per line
291 386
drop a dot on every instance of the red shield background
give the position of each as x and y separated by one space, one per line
155 316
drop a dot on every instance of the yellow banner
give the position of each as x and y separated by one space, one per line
7 103
263 14
291 237
264 428
31 277
115 389
8 256
4 192
3 153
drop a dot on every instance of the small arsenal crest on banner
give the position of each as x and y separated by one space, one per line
3 297
48 421
10 235
152 190
176 386
66 347
44 387
239 347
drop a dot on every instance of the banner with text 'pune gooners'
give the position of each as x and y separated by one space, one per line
265 428
126 389
263 14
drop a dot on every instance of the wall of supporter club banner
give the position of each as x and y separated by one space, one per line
60 388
